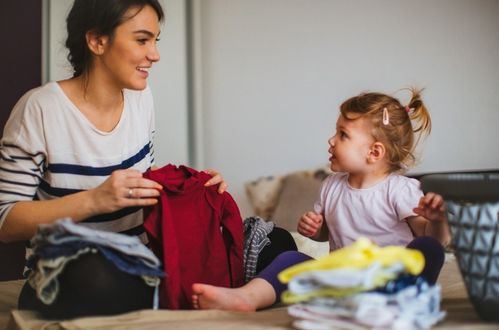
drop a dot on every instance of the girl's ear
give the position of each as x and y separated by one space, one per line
96 42
376 152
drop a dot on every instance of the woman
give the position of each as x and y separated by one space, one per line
77 148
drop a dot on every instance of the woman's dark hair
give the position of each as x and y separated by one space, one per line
102 17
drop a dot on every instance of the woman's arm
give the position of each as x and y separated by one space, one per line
24 217
124 188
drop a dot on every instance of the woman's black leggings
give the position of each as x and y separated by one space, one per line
91 285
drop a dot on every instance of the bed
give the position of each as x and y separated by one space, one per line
460 313
279 199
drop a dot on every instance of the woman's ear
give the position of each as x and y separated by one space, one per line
96 42
376 152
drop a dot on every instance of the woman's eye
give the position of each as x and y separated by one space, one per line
142 41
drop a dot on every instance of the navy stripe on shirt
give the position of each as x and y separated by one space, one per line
112 216
99 171
15 193
14 159
19 172
17 147
58 192
19 183
8 159
135 231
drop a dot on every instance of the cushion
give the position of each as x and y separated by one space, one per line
310 247
263 194
299 192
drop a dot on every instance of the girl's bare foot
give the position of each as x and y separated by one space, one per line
213 297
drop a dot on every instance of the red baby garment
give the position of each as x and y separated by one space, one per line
196 232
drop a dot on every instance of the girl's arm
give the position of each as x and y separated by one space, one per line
421 226
313 226
431 219
323 234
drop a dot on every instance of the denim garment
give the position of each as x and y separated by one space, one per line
57 244
65 230
128 264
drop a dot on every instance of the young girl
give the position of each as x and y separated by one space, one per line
367 196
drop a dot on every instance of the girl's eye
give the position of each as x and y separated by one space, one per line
158 39
343 135
142 41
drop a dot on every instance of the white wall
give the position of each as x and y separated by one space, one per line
271 74
168 78
274 72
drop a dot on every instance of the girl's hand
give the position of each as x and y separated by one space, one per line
310 224
432 207
216 179
124 188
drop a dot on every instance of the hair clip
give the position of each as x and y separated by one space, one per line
386 118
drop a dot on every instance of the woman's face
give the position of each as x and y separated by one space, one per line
130 53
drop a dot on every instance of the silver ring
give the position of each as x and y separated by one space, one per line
130 193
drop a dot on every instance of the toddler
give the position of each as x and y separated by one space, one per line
368 195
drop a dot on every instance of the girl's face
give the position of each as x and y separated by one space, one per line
350 146
129 55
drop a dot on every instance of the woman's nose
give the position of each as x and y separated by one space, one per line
153 55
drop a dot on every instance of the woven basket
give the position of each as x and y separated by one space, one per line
473 205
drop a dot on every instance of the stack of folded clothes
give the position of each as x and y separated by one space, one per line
57 244
362 286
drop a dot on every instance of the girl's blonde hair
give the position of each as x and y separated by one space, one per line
392 123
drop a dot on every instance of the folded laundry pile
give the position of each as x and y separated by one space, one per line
55 245
362 286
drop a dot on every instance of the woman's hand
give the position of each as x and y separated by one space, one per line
216 178
124 188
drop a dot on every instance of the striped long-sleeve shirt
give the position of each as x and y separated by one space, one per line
50 149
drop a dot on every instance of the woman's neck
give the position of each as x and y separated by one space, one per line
101 95
102 104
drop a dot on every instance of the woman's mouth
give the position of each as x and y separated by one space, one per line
144 71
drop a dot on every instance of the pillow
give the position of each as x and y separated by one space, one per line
310 247
299 192
263 194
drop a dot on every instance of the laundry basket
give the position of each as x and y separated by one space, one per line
472 201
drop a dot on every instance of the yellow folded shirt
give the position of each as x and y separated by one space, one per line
360 254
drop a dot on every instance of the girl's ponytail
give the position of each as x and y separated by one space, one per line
418 112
